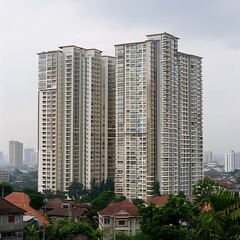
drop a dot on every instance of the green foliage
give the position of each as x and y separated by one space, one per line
98 188
203 191
29 191
60 194
49 194
76 190
63 229
167 222
140 236
20 180
221 219
102 201
5 189
109 184
122 236
31 233
36 200
119 199
137 201
156 188
181 195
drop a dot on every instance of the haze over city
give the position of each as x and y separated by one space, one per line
209 29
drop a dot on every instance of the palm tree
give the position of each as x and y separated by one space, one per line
53 230
220 220
31 233
60 229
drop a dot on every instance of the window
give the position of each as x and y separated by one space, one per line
121 223
106 220
10 219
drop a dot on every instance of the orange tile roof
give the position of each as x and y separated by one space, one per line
120 208
159 201
22 201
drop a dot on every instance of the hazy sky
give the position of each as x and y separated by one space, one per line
208 28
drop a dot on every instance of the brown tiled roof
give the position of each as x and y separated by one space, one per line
8 207
120 208
22 200
81 237
158 200
64 212
53 203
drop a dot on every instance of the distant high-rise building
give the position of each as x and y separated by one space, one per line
29 156
73 137
158 118
207 156
1 159
15 154
4 176
232 161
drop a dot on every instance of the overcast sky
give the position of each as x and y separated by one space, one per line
208 28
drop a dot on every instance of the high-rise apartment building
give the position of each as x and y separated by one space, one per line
72 128
108 115
207 156
15 154
30 157
158 117
232 161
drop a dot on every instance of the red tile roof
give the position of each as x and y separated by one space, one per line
22 201
120 208
8 207
158 200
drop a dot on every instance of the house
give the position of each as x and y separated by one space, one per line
158 201
22 201
119 217
76 214
52 204
212 174
12 223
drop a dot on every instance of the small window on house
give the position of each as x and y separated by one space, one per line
106 220
121 223
10 219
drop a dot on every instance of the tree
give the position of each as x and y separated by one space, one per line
220 220
109 184
75 190
137 201
5 189
31 233
36 200
168 222
140 236
61 229
156 188
102 200
203 190
122 236
29 191
60 194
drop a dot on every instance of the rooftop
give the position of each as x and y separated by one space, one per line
21 200
8 207
120 208
158 200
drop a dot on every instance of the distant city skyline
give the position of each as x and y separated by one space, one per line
209 29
